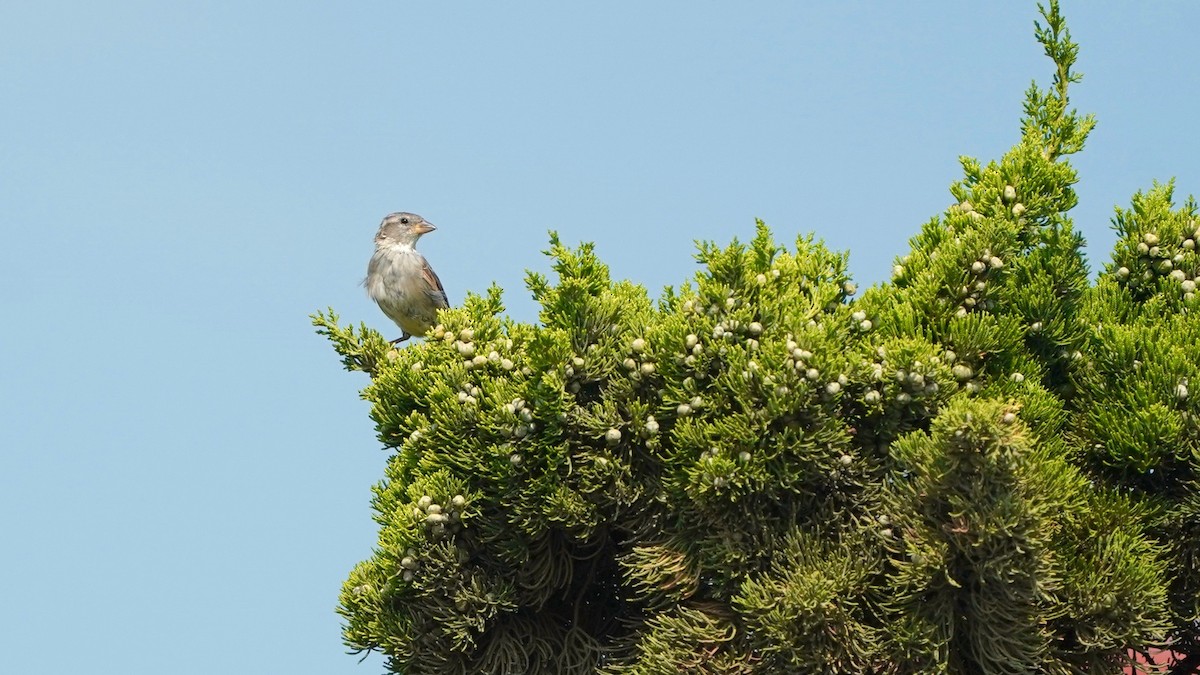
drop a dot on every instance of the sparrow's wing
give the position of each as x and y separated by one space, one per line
433 284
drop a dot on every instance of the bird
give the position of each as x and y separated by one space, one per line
400 280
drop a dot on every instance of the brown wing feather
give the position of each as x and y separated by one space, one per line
436 290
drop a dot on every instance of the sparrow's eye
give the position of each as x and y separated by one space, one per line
404 221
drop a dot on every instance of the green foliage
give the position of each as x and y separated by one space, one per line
1138 419
988 465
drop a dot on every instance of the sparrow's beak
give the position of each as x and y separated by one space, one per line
425 227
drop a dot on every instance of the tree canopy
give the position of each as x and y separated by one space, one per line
988 464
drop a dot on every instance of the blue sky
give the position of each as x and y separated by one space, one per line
184 468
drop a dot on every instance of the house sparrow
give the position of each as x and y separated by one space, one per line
400 280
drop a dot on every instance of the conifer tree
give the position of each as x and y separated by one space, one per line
985 465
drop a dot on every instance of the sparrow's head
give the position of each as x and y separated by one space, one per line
402 228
